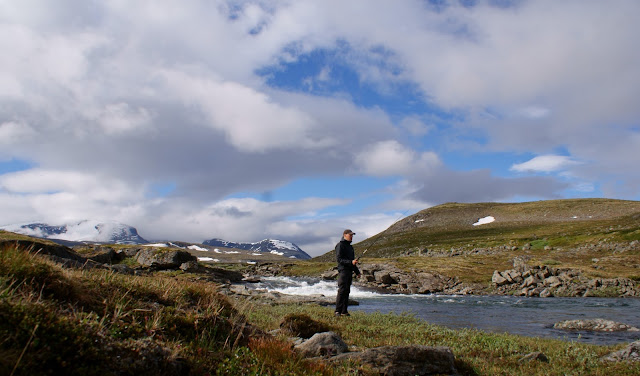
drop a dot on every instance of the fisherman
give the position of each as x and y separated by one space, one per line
347 265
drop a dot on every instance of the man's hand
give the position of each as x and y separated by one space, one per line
355 262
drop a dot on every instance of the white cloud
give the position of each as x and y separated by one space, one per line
544 163
175 85
390 158
12 132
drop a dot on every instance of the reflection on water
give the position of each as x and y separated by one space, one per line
501 314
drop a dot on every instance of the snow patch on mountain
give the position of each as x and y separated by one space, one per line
484 221
274 246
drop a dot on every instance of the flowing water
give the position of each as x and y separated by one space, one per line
501 314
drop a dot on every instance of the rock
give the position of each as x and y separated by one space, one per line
595 325
497 279
322 344
121 268
405 360
164 259
104 255
630 353
534 356
330 274
384 277
301 325
190 266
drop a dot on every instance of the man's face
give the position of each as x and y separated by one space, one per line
348 237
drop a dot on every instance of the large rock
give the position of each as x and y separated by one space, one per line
498 280
405 360
595 325
322 344
164 259
629 353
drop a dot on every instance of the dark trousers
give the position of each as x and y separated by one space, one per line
344 288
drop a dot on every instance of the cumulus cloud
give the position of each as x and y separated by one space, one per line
389 158
109 99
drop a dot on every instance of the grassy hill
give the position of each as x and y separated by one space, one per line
564 233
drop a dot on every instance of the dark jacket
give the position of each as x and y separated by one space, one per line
345 255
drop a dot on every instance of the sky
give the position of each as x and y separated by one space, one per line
245 120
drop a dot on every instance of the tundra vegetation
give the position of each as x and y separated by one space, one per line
55 319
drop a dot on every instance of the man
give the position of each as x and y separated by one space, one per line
347 265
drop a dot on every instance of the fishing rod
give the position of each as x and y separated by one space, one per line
375 241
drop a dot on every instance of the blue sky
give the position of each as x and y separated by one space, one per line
246 120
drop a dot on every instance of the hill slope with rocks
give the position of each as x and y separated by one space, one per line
465 227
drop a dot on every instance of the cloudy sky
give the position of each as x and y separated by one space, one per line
244 120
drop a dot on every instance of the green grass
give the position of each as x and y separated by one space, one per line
477 352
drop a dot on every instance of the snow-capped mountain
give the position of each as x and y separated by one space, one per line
278 247
83 231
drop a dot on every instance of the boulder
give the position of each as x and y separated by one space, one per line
405 360
322 344
630 353
164 259
497 279
595 325
103 255
384 277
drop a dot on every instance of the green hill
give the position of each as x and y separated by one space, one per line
565 233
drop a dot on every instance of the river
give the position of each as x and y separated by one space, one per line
500 314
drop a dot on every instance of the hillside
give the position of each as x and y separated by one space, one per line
561 222
599 237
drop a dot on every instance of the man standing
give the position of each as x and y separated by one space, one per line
347 265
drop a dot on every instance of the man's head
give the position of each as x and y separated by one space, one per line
348 234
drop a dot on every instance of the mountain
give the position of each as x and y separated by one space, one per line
83 231
468 228
278 247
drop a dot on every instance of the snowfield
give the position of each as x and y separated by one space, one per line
484 221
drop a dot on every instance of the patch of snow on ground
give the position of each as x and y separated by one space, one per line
175 245
277 253
208 259
256 254
420 220
231 252
292 257
217 250
251 262
197 248
484 221
155 245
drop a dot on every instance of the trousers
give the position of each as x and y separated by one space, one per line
344 288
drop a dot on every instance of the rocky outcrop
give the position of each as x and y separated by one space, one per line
595 325
404 360
545 281
630 353
386 360
389 278
163 259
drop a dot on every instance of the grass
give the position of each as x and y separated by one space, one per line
477 352
94 322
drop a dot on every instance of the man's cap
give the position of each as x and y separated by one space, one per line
347 231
